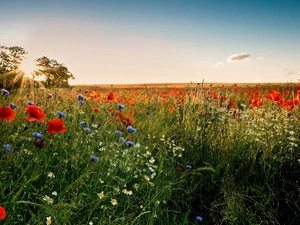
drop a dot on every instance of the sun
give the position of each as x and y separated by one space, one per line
28 66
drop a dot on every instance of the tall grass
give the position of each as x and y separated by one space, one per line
193 155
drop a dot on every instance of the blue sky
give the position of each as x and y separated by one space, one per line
159 41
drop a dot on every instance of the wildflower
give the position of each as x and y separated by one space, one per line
118 132
2 213
5 92
7 114
152 160
56 125
129 143
199 218
130 129
54 193
83 124
61 115
7 148
101 195
30 103
80 97
126 192
39 143
120 106
122 140
101 174
114 201
48 220
13 106
136 186
48 199
96 110
35 113
90 131
188 167
51 175
94 158
151 170
91 223
179 168
81 102
147 178
111 96
37 135
151 184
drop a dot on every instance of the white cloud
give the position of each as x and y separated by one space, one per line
217 64
238 57
260 57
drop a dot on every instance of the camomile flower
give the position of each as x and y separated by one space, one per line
48 199
101 195
114 201
51 175
48 220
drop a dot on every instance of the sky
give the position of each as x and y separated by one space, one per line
159 41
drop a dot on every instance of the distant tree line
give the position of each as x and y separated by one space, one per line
49 73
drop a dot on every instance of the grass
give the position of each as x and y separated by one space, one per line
197 150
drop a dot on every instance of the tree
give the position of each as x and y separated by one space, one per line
10 61
55 74
50 73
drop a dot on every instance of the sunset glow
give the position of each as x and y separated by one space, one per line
125 42
28 66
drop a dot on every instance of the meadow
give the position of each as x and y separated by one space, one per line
188 154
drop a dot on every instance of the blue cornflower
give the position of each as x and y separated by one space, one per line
89 131
129 143
120 106
7 148
151 171
122 140
83 124
119 132
94 158
37 135
130 129
81 102
199 218
157 148
188 167
80 97
5 92
13 106
30 103
101 174
61 115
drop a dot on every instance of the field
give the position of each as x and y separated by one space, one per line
151 154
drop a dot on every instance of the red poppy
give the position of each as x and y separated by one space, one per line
179 168
56 125
111 96
35 113
255 103
96 110
40 144
6 113
2 213
275 96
